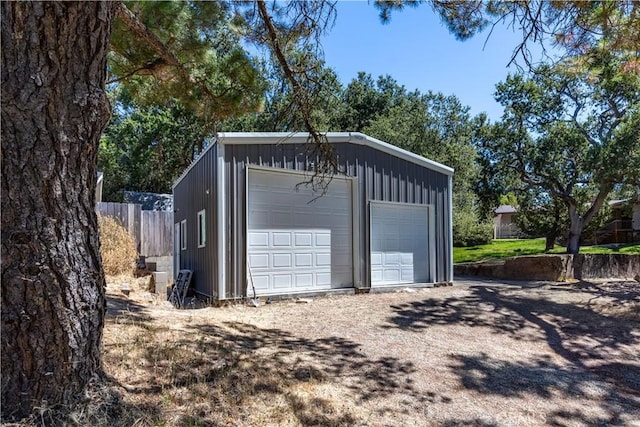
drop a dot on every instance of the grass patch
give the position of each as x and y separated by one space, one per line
505 248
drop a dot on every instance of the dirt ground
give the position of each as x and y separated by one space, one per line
474 354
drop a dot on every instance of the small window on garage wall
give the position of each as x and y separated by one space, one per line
202 229
183 234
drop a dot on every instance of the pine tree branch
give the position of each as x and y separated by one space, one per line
140 30
328 162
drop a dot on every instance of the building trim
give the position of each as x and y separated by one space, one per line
357 138
450 218
221 203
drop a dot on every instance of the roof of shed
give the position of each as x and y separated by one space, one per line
503 209
333 138
239 138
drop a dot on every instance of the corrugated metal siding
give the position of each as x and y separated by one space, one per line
197 191
381 176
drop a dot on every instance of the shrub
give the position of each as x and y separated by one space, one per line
117 247
469 231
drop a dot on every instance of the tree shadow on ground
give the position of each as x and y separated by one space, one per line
600 350
121 307
574 331
236 364
217 372
546 379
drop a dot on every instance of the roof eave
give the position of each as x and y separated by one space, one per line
233 138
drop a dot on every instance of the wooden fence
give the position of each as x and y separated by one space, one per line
157 233
152 230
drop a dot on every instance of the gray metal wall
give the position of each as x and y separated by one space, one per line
197 191
381 176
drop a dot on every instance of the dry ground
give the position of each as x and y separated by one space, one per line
477 353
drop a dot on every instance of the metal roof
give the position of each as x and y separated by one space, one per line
235 138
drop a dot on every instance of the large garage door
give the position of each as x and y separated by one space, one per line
297 241
399 244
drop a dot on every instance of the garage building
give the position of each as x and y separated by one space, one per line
244 217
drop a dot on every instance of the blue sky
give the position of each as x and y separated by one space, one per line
418 51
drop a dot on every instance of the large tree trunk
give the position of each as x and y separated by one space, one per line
575 229
578 222
54 109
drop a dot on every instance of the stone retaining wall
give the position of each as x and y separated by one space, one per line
556 268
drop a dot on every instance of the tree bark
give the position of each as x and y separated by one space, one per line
578 222
550 240
575 228
54 108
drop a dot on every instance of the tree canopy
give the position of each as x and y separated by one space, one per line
575 27
570 132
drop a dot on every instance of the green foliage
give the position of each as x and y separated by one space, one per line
540 215
145 148
578 27
279 112
568 135
509 199
468 230
217 77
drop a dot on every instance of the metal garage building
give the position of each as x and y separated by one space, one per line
240 216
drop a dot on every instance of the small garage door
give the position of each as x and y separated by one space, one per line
399 244
297 241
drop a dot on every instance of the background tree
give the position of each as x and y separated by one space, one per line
571 133
540 214
145 148
192 51
575 27
278 112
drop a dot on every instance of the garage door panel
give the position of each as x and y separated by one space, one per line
260 282
303 239
399 244
282 281
323 240
259 239
323 280
282 261
281 240
259 260
308 242
391 275
304 260
304 280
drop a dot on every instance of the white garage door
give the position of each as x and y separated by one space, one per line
399 244
297 241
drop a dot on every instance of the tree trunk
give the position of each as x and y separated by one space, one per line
54 109
575 230
550 240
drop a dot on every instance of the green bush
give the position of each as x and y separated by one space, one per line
117 247
468 230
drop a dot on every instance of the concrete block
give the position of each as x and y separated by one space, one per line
160 279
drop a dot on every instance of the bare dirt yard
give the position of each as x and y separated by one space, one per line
479 353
